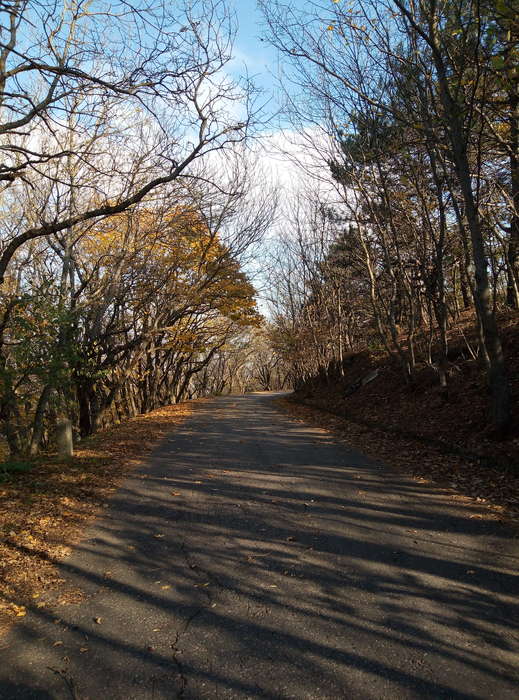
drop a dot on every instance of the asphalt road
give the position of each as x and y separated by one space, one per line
254 557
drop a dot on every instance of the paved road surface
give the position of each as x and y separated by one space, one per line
256 558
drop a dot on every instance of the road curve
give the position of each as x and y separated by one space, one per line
255 557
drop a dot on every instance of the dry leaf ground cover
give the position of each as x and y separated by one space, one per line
447 438
459 419
493 486
45 508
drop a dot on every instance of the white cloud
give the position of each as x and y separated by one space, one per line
297 165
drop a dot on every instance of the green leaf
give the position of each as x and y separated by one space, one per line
498 62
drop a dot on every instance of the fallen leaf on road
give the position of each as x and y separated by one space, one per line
19 610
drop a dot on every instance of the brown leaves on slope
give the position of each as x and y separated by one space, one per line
44 511
490 486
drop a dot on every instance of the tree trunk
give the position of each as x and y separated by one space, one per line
37 426
512 287
496 372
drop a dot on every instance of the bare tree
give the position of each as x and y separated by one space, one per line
152 71
426 72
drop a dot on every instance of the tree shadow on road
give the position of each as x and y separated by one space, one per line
254 562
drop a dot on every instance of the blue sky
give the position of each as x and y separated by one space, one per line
259 57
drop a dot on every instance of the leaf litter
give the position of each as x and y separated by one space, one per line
45 510
493 488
